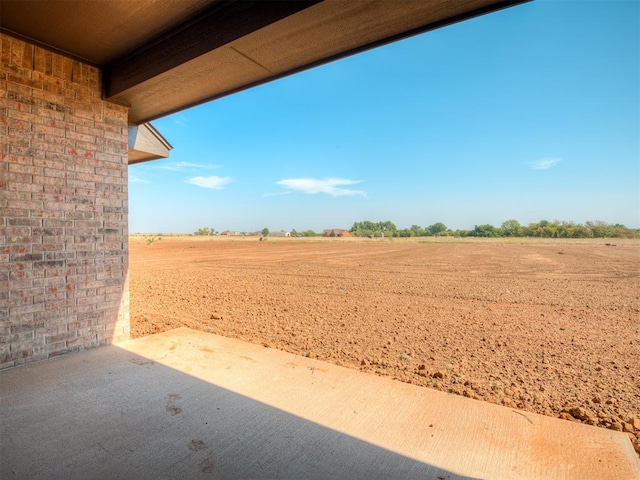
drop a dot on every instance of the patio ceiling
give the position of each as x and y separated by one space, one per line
159 57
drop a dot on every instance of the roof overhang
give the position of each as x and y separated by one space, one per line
146 143
158 57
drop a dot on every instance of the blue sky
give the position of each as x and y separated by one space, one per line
529 113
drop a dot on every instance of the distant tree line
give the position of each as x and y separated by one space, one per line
509 228
305 233
205 231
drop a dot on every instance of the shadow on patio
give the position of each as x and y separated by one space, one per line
186 404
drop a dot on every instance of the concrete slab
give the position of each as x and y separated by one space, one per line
186 404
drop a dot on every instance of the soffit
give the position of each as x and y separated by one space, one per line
95 31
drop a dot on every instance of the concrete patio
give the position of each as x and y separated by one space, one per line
187 404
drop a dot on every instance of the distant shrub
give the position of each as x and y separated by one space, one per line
150 239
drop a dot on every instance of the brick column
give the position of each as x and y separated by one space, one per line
63 204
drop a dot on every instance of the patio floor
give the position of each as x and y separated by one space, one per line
186 404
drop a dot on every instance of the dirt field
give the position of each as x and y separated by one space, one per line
551 327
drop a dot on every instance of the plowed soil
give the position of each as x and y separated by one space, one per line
551 327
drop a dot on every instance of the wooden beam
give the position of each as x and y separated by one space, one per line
220 24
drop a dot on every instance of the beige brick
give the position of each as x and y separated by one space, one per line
25 168
63 244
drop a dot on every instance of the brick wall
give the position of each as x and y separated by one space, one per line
63 205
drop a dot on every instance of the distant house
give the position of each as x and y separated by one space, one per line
336 232
280 234
230 233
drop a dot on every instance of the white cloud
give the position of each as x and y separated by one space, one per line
136 179
181 166
179 119
328 186
279 194
544 163
213 182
